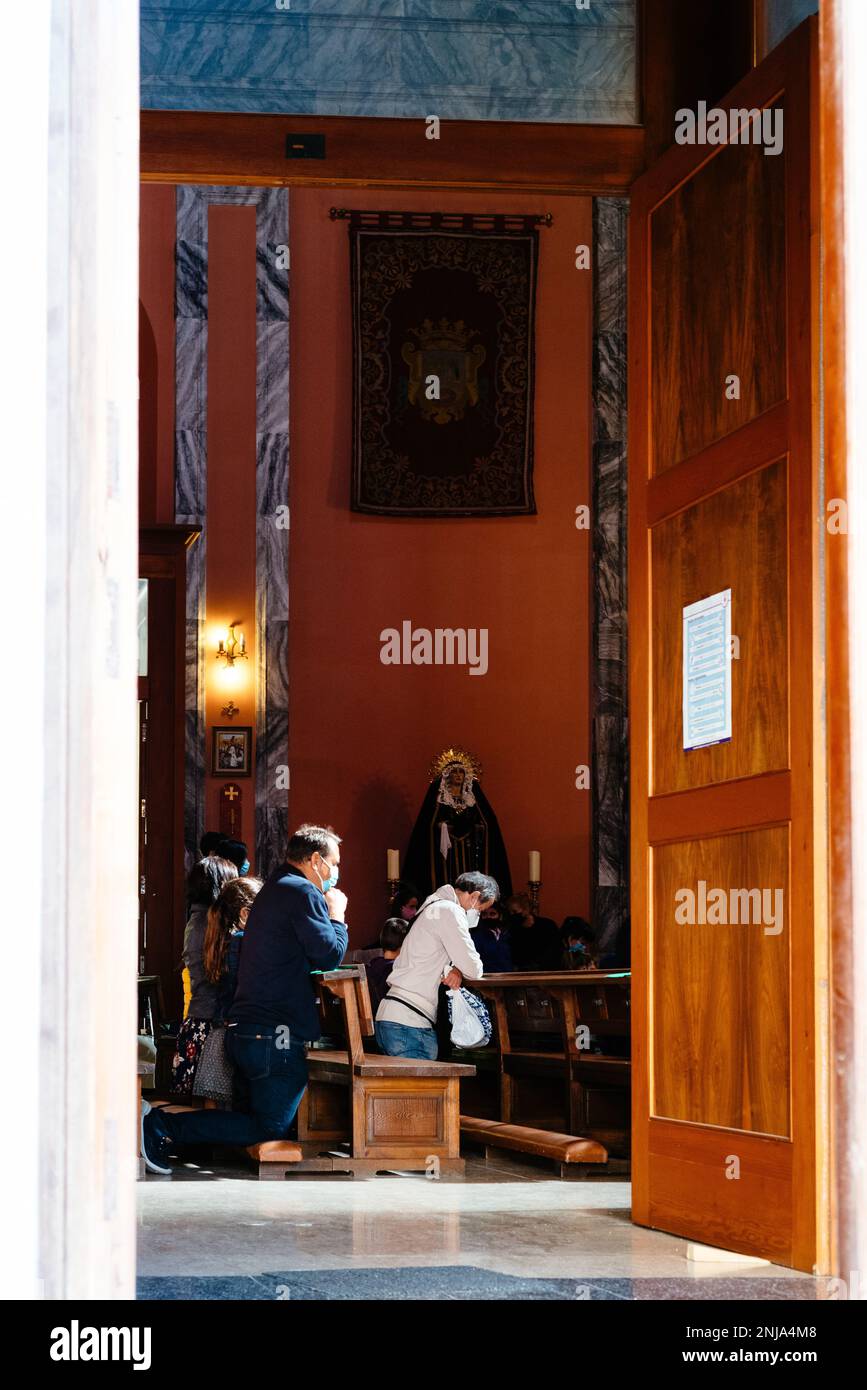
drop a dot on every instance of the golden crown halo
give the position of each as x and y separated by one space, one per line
455 755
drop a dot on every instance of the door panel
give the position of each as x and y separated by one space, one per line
739 531
718 302
721 989
724 493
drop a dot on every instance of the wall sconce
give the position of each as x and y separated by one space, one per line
232 648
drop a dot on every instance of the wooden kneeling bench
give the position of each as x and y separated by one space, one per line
565 1149
391 1112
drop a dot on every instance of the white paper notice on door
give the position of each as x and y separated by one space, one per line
707 671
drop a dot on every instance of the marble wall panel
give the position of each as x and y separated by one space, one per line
521 60
610 783
272 493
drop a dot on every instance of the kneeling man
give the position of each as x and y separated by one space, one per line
296 924
438 949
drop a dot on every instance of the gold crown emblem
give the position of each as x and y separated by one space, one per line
446 336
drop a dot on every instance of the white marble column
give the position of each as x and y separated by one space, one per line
68 426
853 1160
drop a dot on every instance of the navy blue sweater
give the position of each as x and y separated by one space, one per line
288 934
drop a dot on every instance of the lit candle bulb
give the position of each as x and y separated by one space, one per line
243 644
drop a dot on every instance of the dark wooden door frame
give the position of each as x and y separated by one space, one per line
162 556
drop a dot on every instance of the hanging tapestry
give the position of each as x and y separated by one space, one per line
443 319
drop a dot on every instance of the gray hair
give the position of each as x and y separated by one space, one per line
309 840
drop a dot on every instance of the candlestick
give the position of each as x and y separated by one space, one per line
534 889
393 864
535 871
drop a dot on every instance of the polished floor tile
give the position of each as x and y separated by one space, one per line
505 1230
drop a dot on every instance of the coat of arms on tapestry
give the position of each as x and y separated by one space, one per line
443 320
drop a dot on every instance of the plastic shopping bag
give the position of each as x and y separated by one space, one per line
470 1020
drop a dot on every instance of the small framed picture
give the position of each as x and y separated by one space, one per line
231 751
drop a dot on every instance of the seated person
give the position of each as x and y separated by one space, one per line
491 940
404 905
378 970
579 945
236 853
534 941
209 841
405 901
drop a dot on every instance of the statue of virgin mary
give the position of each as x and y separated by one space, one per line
456 830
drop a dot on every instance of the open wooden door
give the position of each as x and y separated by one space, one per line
724 494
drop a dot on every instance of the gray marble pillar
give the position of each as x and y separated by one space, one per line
610 854
272 494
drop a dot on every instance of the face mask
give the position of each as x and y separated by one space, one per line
408 913
331 881
473 917
245 867
578 947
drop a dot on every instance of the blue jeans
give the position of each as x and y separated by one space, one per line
274 1066
399 1040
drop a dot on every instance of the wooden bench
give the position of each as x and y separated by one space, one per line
543 1078
389 1112
575 1156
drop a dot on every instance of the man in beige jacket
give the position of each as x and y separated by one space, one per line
438 949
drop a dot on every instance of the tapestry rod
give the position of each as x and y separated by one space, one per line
443 221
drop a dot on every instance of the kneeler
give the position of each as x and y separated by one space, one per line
363 1113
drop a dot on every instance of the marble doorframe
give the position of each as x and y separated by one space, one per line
70 575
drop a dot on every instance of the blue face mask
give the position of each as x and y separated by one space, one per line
331 882
578 946
245 867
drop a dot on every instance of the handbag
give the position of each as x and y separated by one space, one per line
469 1017
215 1074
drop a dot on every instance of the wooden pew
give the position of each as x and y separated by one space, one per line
545 1079
391 1112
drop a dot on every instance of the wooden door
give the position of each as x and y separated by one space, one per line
724 494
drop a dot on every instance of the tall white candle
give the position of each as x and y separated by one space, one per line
535 874
393 857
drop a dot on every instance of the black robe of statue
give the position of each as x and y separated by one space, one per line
476 844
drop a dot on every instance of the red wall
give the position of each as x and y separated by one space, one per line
362 734
231 500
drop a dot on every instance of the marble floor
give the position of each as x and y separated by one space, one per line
504 1230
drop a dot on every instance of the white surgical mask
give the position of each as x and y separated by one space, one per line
473 917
